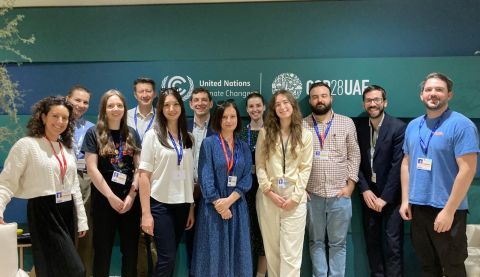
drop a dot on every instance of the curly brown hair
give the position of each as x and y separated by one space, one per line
272 124
106 145
35 126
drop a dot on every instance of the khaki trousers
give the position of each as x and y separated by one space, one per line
283 234
85 244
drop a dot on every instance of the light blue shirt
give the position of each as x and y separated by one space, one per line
81 127
455 136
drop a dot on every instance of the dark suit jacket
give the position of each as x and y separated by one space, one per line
386 161
190 127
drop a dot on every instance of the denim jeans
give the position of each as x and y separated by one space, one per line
328 220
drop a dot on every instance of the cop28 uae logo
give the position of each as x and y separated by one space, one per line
288 81
184 86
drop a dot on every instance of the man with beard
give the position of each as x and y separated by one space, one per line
441 149
380 138
336 158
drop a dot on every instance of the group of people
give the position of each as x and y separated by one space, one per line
241 193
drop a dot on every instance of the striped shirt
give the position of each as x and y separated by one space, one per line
340 159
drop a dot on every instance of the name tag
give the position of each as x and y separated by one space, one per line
232 181
282 183
119 178
81 164
424 164
179 175
63 196
374 177
321 155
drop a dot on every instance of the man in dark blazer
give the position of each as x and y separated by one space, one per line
200 102
380 138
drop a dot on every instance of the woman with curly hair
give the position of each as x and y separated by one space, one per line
41 168
283 162
111 152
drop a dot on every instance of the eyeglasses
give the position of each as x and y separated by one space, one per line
225 101
373 100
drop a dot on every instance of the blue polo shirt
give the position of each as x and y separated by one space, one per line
455 136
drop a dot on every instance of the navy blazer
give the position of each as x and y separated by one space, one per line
386 161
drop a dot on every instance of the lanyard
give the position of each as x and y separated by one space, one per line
179 151
422 142
284 149
135 118
63 166
322 137
230 160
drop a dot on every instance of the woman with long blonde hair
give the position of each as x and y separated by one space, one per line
283 162
111 153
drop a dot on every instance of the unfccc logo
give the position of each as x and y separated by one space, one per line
288 81
184 86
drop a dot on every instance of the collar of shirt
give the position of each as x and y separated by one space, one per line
141 115
205 124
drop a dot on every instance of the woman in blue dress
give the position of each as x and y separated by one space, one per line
222 239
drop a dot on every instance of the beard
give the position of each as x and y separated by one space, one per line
434 106
372 115
321 109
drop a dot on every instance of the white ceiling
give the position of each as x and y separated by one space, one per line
60 3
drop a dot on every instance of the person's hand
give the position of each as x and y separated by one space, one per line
147 224
227 214
379 204
127 203
115 202
81 234
369 197
222 204
289 205
191 218
276 199
405 211
346 191
443 221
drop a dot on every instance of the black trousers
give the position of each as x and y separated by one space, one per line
169 225
440 254
189 238
384 239
52 229
106 222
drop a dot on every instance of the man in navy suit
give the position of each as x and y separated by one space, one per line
200 102
380 139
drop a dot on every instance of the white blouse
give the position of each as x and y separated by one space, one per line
169 183
32 170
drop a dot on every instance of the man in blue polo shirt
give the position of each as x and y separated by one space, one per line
441 149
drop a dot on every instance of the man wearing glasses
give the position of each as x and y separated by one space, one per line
380 138
142 117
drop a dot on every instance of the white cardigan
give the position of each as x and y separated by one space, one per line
32 170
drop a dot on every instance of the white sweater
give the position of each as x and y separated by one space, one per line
32 170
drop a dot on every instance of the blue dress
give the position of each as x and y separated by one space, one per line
222 247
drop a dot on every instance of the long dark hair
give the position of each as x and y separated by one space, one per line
105 145
161 121
35 126
272 124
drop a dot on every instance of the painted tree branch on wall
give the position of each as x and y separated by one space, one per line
10 38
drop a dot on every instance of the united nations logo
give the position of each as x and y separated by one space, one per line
288 81
184 86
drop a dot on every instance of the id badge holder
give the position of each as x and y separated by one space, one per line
424 164
119 178
374 177
63 196
282 183
232 181
81 165
321 155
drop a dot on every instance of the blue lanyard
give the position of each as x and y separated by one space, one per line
422 142
179 151
323 137
148 126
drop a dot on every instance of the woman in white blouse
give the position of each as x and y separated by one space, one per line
41 168
166 180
